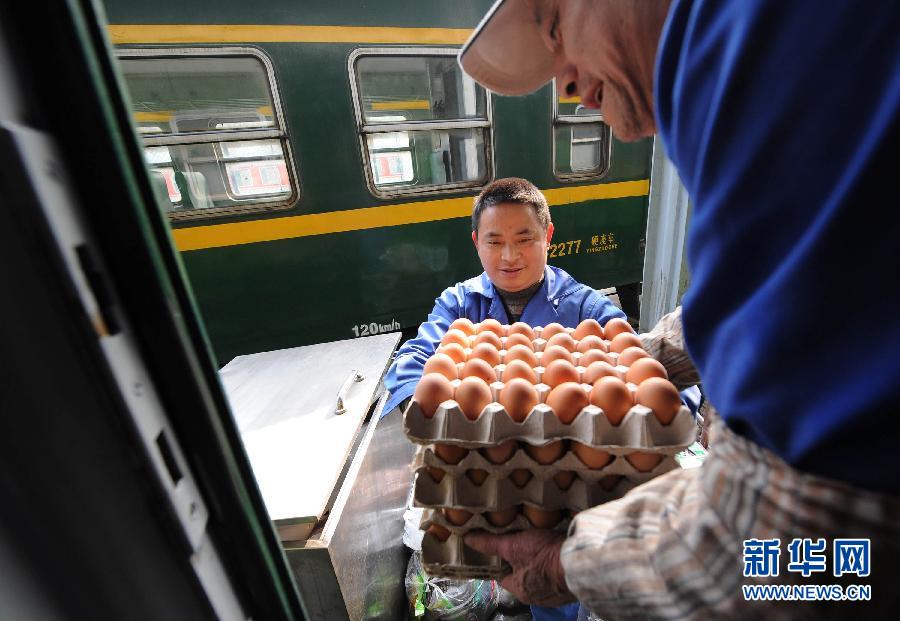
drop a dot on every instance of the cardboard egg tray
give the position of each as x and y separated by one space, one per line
453 559
498 491
638 430
569 462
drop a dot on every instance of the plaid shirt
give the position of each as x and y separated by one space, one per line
673 547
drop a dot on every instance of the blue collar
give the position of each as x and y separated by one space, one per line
557 284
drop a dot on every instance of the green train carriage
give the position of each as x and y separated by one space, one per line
319 176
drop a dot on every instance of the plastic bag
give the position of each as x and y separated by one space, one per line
443 599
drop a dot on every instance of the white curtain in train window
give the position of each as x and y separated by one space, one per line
424 123
210 130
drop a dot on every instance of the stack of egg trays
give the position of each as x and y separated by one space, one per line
639 430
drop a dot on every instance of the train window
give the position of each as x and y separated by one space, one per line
213 134
424 125
581 140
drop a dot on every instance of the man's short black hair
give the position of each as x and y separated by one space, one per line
511 190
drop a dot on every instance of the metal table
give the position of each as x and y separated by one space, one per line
334 485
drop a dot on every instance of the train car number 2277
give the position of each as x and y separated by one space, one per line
563 248
373 328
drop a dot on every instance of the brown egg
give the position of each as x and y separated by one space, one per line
588 327
443 364
661 396
477 476
644 462
432 390
491 325
609 482
488 337
555 352
591 457
546 454
564 479
457 517
455 336
615 327
518 369
590 342
630 354
518 339
550 329
563 339
486 352
473 395
520 477
456 352
501 453
439 532
518 397
436 474
596 370
476 367
595 355
542 518
502 517
623 341
463 324
611 395
558 372
645 368
521 328
567 400
520 352
450 453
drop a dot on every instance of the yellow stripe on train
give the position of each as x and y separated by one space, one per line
250 33
237 233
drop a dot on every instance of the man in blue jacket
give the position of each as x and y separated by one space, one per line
511 230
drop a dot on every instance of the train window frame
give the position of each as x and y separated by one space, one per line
215 136
364 129
572 120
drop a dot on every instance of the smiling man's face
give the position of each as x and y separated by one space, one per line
512 245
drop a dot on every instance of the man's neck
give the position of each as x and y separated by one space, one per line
515 301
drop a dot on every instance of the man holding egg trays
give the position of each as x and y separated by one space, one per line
746 96
511 231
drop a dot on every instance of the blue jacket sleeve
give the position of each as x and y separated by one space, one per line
599 307
405 371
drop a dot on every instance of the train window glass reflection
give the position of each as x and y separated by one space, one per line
581 141
424 125
212 130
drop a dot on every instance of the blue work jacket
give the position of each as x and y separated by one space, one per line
815 380
561 299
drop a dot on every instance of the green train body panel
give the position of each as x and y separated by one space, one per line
276 294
